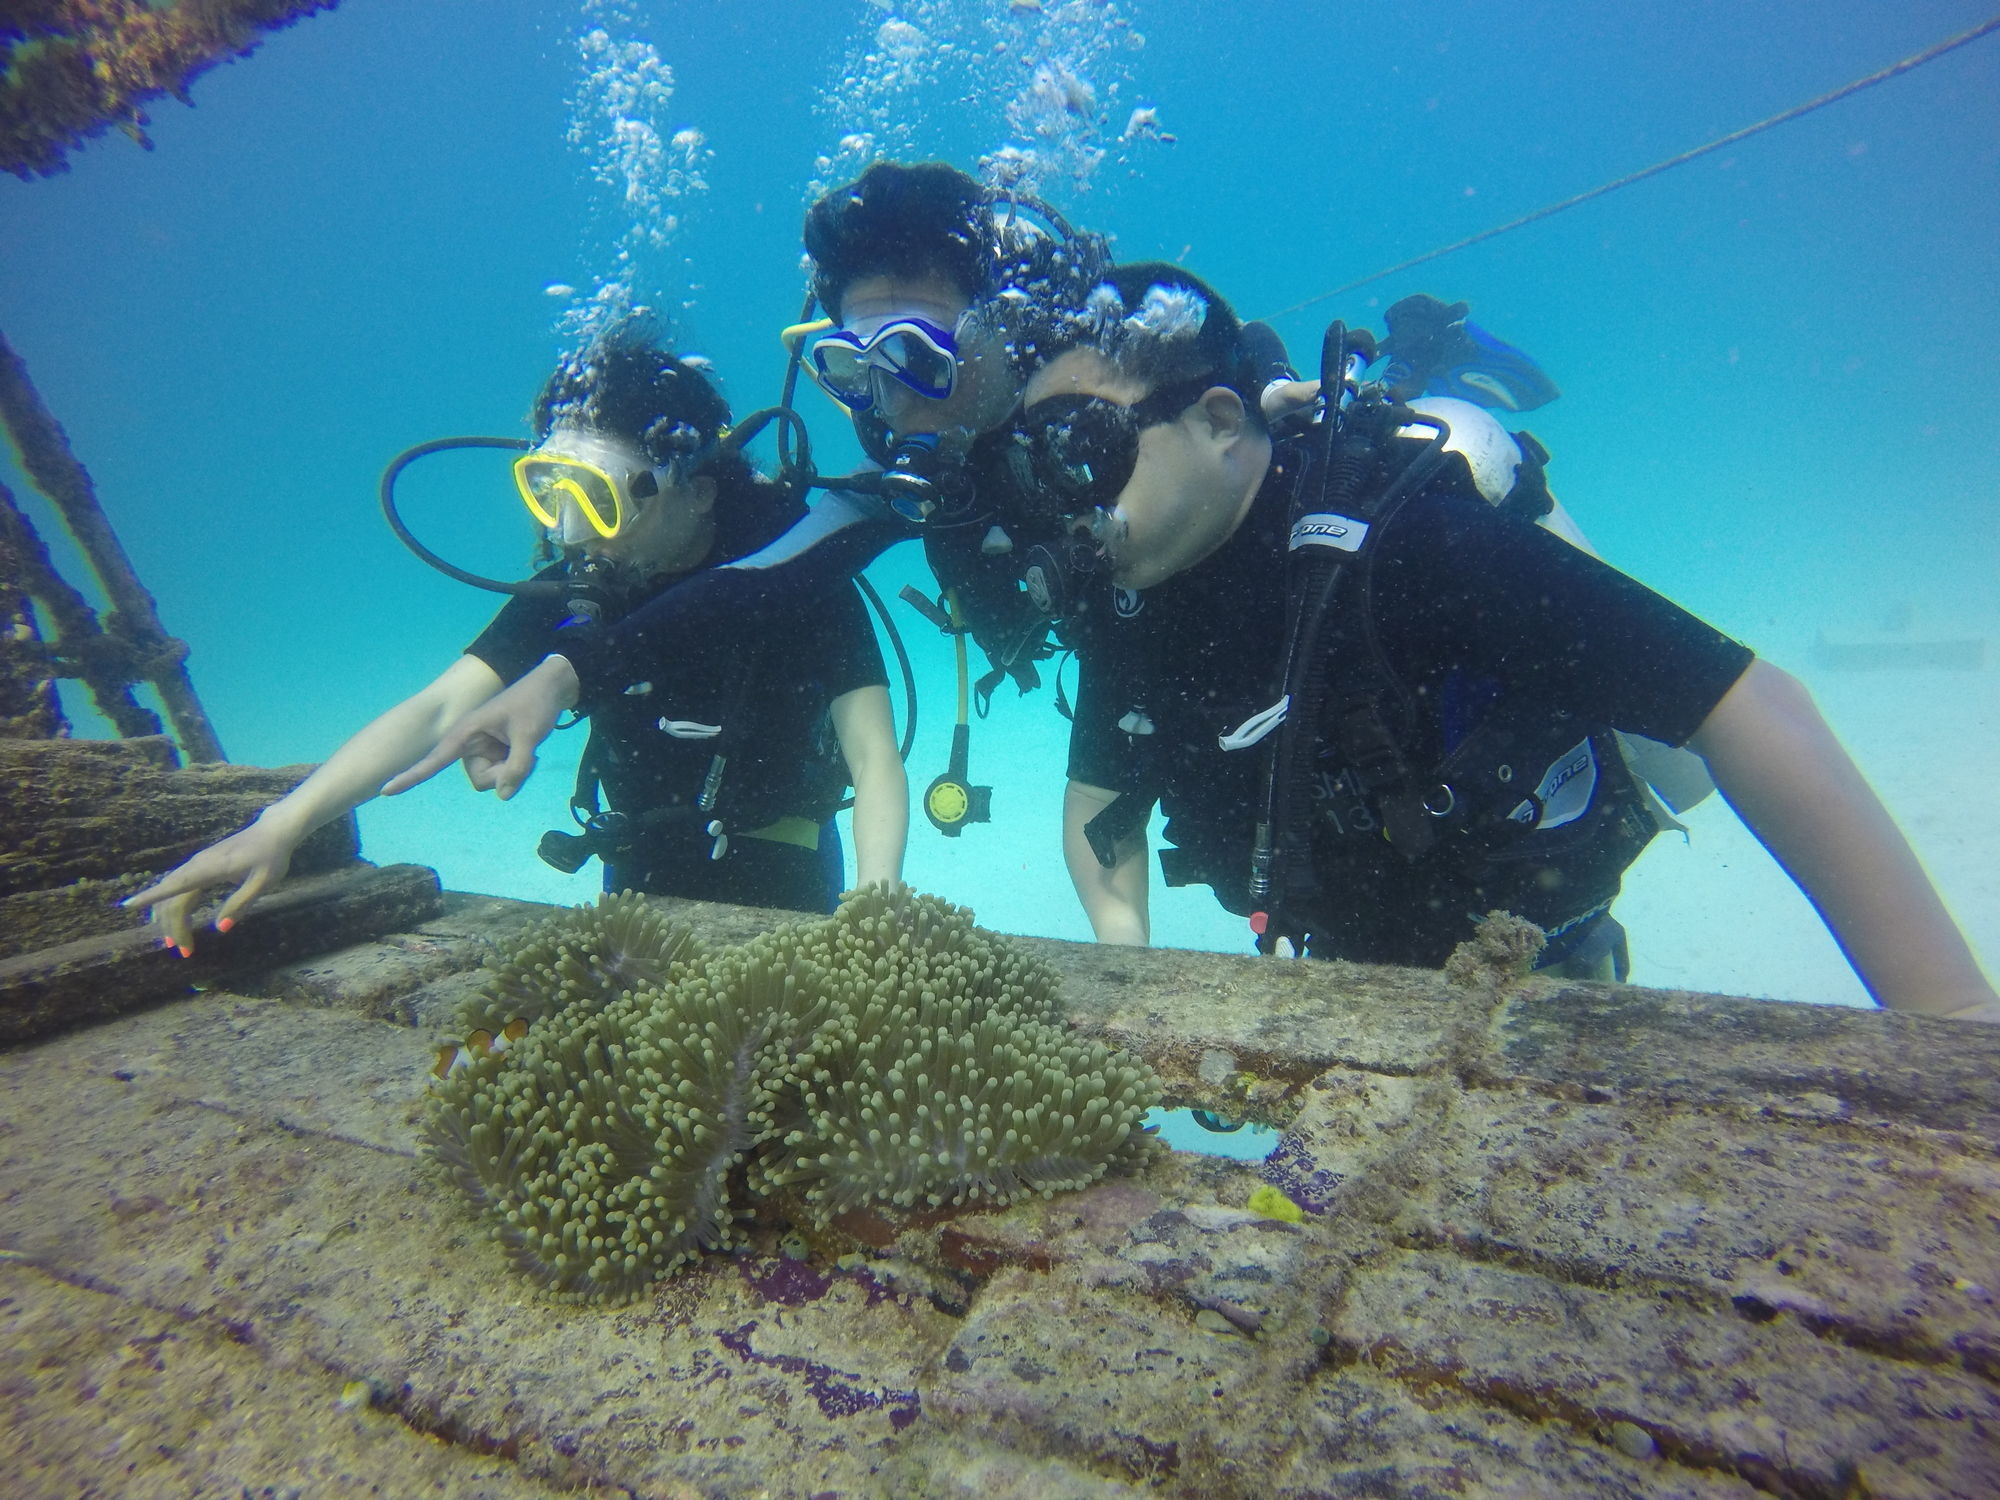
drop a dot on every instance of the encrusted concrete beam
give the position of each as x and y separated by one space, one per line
71 984
71 68
1554 1240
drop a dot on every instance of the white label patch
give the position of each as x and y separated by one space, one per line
1253 729
1565 791
1325 529
689 729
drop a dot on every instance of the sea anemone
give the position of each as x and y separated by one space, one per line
944 1075
892 1056
583 958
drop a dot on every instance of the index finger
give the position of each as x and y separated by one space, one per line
446 752
178 882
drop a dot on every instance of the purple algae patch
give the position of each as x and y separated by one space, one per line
1296 1172
787 1282
838 1393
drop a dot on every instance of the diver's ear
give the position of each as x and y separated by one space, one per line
701 495
1221 414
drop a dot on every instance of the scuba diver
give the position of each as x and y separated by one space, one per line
720 772
936 289
1373 700
931 282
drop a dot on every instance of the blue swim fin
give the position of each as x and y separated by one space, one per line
1434 350
1496 375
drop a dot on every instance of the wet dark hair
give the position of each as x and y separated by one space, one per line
626 382
912 220
1160 324
905 220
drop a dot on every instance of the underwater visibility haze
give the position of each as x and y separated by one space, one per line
1779 404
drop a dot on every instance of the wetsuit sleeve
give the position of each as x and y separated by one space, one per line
850 657
519 636
834 541
1100 753
1460 582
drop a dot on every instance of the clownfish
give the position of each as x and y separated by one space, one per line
454 1055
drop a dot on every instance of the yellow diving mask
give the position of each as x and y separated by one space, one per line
550 482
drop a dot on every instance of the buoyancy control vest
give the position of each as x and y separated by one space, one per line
1527 810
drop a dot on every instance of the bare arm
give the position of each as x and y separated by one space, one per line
1116 899
1781 768
497 738
867 734
257 857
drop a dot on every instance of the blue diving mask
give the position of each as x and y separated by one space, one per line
922 356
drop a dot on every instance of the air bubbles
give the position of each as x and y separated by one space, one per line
644 171
901 42
1169 313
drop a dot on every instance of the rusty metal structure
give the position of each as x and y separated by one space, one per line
70 69
129 646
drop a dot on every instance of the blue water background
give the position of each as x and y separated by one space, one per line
1780 405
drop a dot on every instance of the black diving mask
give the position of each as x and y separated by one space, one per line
1075 454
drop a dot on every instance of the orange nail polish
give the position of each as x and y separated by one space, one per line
187 952
225 924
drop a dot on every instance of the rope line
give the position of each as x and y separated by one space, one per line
1916 61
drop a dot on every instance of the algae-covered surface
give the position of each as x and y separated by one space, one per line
1554 1241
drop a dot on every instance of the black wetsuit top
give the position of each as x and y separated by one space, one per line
840 536
765 680
1473 610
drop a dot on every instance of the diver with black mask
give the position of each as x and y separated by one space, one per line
1374 696
718 770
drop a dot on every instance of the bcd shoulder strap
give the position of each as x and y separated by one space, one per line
1352 480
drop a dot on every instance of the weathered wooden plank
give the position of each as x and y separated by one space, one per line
75 810
52 989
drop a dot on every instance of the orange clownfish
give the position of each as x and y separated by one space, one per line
454 1055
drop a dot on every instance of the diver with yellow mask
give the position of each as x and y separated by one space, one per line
929 280
714 771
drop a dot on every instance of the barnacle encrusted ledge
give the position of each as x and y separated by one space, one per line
622 1096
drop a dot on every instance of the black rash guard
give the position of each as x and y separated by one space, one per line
831 543
1472 609
754 688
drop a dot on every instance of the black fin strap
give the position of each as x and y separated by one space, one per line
1116 822
1530 499
583 804
1063 705
982 691
1368 746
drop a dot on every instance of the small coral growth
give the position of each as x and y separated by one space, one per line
892 1056
1502 948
